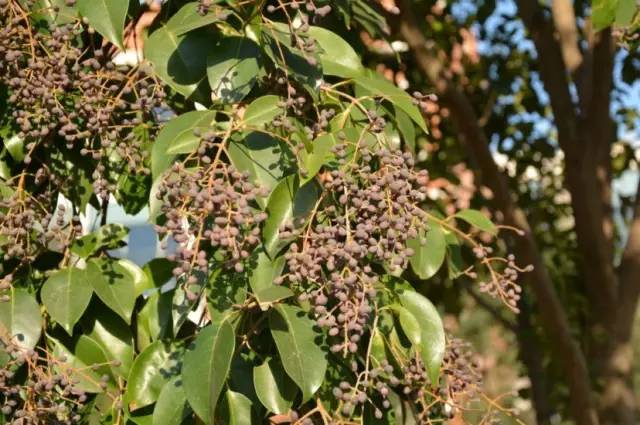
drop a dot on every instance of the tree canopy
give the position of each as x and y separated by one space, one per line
327 180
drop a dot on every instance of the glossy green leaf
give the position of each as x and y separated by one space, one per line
205 369
274 388
430 255
432 345
172 407
399 98
338 57
261 279
406 128
151 371
232 68
409 324
115 339
319 155
477 219
225 291
76 369
54 11
625 11
262 157
262 111
20 318
238 409
106 16
188 19
302 358
177 136
603 13
114 285
91 354
15 147
180 60
378 352
287 203
66 295
108 236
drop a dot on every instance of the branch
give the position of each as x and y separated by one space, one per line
630 275
582 139
553 315
564 18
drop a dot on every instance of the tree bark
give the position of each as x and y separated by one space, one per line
553 315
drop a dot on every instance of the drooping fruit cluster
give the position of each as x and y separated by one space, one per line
59 89
50 393
210 213
375 211
27 226
460 370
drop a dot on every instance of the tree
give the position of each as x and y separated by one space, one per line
281 171
555 64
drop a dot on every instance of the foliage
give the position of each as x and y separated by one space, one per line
286 180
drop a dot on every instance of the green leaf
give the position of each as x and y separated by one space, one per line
432 345
108 236
625 12
303 360
76 369
410 325
114 285
262 111
238 409
603 13
338 57
399 98
53 11
20 318
151 371
177 136
66 295
455 263
225 291
115 338
180 60
319 155
206 367
232 68
287 203
91 354
262 157
274 388
261 278
188 19
15 147
378 352
171 407
428 257
107 17
406 128
477 219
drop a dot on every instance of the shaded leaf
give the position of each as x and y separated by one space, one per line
107 17
274 388
477 219
114 285
188 19
20 318
178 136
66 295
302 358
262 111
206 366
430 255
232 68
432 345
338 57
151 371
171 407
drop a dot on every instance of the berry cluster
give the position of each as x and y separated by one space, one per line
27 226
210 213
459 369
61 91
501 285
49 394
374 213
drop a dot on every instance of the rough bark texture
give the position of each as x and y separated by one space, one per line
603 392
